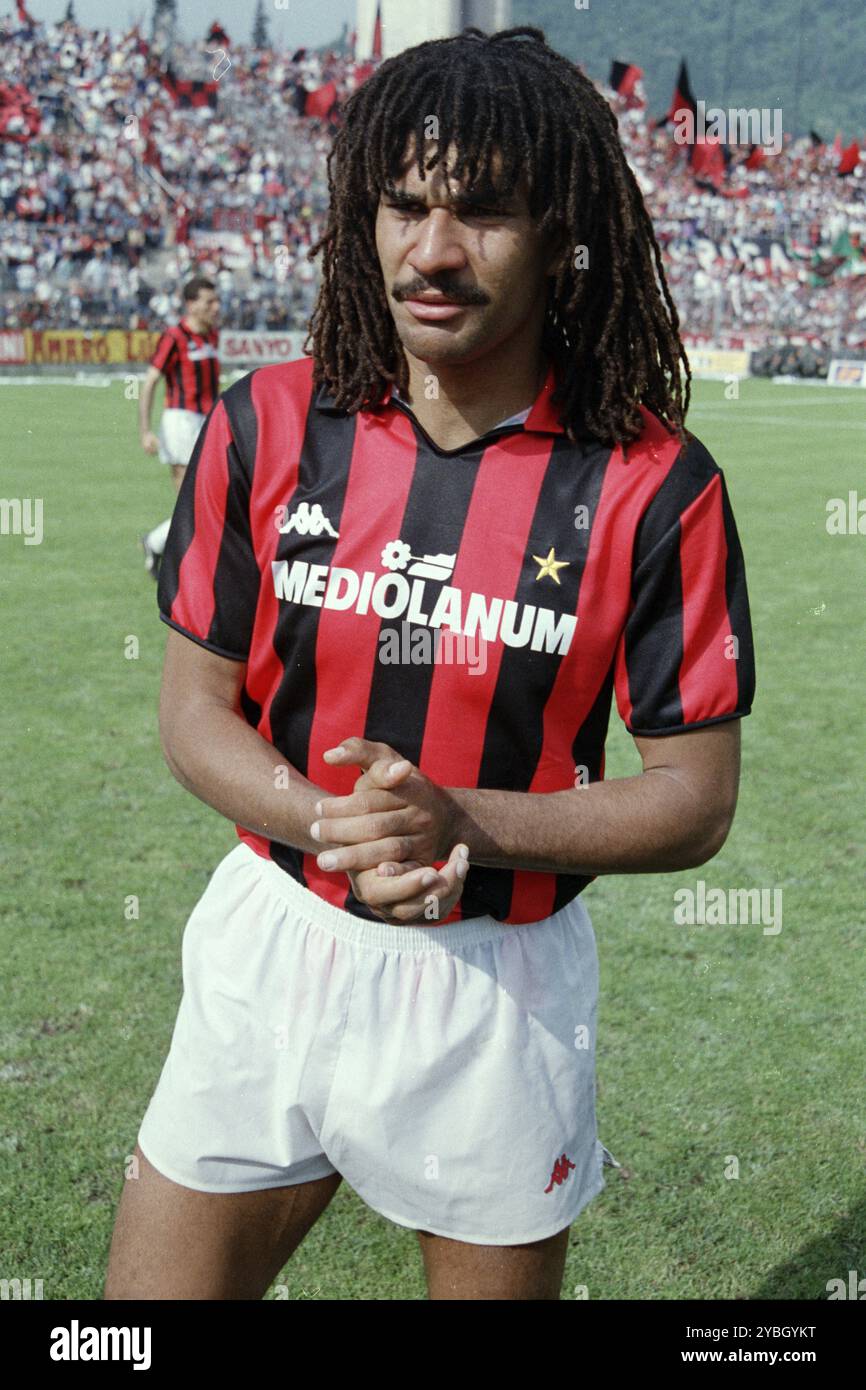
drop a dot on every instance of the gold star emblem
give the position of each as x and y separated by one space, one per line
550 565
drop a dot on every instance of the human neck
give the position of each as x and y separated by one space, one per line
473 398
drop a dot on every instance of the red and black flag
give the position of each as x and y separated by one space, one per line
710 167
190 93
624 77
709 156
217 34
683 98
817 140
377 34
320 102
757 155
849 159
709 160
363 71
299 55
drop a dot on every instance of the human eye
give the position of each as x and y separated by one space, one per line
484 211
403 206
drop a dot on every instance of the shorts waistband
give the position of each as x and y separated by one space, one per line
361 931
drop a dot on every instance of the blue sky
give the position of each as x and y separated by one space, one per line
304 22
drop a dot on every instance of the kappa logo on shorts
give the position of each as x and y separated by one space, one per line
560 1172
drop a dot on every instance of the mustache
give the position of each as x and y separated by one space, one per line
458 293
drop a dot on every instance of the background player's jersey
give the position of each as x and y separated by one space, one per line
190 365
327 551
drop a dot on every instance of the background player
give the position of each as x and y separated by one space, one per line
186 355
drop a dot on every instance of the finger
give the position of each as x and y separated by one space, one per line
407 887
452 875
362 782
355 830
459 856
389 771
391 868
359 803
454 869
426 903
426 910
358 750
354 858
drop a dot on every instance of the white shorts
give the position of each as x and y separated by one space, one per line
178 431
448 1073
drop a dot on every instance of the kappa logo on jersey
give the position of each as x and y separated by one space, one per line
307 521
561 1169
202 353
397 595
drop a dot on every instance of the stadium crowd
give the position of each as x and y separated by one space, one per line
781 247
120 191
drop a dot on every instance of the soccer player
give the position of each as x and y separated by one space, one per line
393 978
186 355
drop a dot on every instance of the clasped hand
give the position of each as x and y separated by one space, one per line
389 833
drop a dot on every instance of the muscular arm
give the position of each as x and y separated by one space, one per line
675 814
219 757
145 400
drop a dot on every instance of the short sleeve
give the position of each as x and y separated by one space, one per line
209 577
166 348
685 658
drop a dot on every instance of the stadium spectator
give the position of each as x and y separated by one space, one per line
120 176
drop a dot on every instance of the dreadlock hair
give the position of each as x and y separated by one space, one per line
611 331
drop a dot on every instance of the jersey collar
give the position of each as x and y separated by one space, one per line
543 418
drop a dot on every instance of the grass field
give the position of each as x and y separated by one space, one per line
714 1041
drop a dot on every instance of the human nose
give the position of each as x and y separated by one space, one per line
436 246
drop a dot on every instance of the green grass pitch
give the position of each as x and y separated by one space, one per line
714 1041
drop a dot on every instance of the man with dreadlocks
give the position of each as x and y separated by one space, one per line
393 977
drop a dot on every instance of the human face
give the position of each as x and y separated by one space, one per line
204 309
484 258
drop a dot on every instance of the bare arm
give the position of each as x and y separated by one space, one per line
675 814
145 403
219 757
215 754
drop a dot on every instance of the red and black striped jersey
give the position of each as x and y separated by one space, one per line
189 362
327 550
